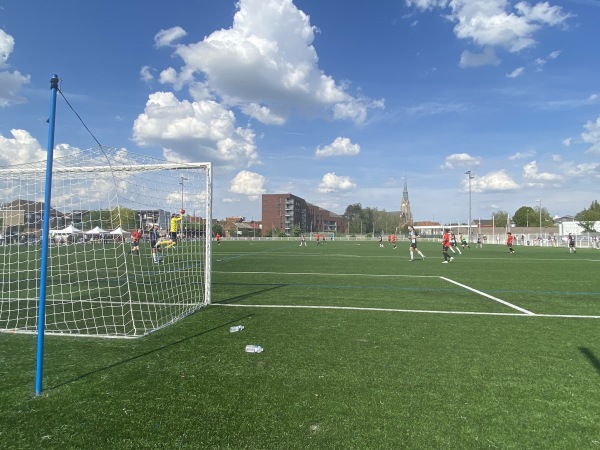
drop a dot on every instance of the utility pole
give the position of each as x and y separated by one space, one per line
540 200
471 176
181 183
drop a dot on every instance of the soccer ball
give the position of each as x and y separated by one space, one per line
182 211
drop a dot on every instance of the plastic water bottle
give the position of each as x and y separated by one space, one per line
236 328
251 348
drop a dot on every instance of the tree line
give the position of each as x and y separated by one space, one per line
526 216
374 221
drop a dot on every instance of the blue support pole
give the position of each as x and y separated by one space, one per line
45 238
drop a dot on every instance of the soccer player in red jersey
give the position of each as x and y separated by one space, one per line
509 242
446 246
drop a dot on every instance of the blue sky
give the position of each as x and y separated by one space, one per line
334 101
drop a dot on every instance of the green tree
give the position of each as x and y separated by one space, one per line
500 218
296 230
217 228
525 216
368 220
384 222
586 218
274 231
353 216
546 218
123 217
233 231
98 218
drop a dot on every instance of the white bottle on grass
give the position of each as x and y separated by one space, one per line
251 348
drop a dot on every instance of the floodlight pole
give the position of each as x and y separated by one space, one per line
540 200
181 183
471 176
45 237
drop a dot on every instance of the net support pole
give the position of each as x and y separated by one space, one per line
45 238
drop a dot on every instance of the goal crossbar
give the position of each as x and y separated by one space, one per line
117 168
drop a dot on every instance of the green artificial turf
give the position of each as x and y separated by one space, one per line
362 350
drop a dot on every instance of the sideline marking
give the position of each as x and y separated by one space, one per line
510 305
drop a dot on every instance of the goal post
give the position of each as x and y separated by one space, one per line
102 281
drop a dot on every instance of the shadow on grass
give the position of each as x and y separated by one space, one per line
239 298
149 352
593 359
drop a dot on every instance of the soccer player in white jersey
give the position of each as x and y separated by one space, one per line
412 234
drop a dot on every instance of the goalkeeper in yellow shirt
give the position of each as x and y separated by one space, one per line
175 224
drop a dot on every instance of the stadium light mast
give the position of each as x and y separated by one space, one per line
181 183
540 200
471 176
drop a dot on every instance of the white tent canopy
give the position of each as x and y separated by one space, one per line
120 231
96 230
69 230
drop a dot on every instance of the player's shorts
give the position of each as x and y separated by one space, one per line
413 244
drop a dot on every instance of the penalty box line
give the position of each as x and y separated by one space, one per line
464 286
491 297
362 308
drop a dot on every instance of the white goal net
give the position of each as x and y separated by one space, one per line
129 246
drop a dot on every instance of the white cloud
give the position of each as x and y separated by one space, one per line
567 141
146 74
433 108
166 38
592 135
460 160
194 131
485 58
493 181
584 170
530 172
11 82
522 155
539 63
262 114
516 73
22 148
341 146
335 183
491 23
248 183
7 44
266 65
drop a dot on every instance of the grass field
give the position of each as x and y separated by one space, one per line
362 350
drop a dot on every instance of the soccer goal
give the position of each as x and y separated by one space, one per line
114 268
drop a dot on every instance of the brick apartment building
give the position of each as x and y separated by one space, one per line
284 211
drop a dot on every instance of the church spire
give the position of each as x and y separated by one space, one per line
406 217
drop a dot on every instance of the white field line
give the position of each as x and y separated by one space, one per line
331 274
510 305
423 311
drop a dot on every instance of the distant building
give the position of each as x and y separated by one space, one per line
326 221
28 215
428 228
283 212
406 217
